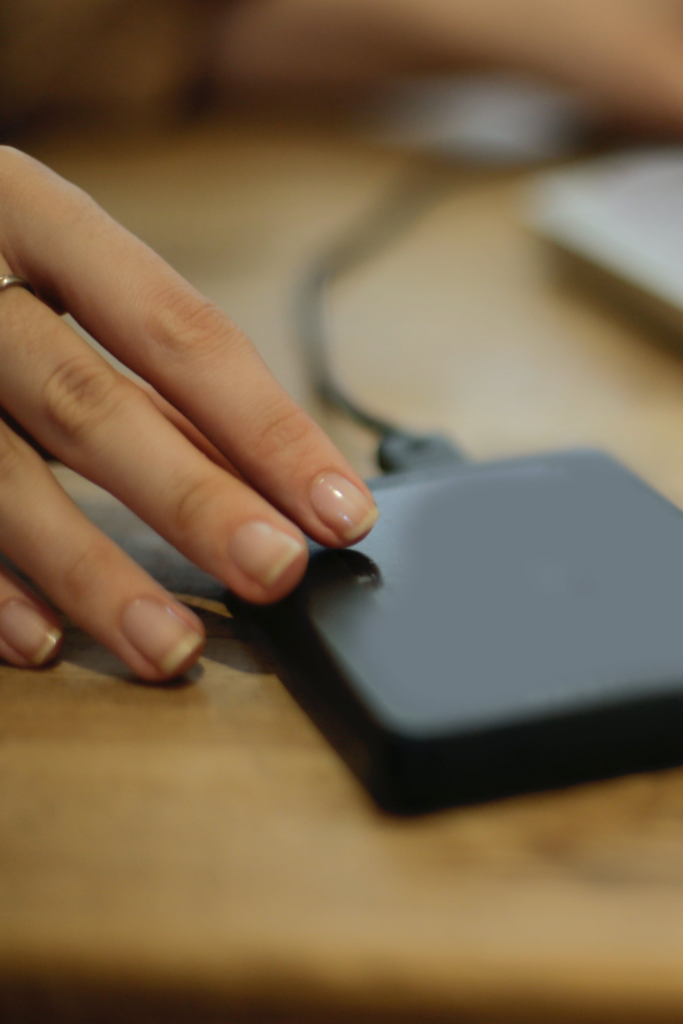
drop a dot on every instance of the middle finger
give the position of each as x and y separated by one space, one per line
105 427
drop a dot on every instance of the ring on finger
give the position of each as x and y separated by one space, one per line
12 281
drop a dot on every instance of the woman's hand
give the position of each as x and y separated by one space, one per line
214 456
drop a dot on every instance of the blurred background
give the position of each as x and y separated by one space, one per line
508 179
243 139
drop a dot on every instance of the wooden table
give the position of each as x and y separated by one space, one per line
198 853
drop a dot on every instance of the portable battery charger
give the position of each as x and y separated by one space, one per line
506 627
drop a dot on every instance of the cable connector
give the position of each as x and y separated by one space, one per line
400 451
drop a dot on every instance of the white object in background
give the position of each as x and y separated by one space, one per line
487 119
622 214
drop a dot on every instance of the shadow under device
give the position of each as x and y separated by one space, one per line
505 627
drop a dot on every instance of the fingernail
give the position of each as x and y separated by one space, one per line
342 506
263 552
160 635
28 632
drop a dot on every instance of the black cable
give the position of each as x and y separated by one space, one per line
415 193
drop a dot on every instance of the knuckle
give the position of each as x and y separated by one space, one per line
15 169
28 187
284 430
11 159
80 395
193 496
12 457
20 172
184 324
95 562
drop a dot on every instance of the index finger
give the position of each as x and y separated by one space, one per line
139 308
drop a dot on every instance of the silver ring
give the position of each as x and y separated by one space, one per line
12 281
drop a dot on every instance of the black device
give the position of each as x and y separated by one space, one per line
505 627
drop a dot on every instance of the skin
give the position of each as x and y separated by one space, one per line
168 452
211 442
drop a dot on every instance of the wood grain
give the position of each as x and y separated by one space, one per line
197 852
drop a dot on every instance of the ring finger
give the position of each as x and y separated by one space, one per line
105 427
85 573
30 632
